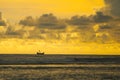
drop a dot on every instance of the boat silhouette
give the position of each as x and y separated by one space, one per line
40 53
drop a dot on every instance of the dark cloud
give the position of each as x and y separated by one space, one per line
100 17
12 33
105 27
108 32
81 28
47 20
84 27
115 32
79 20
113 6
28 21
2 23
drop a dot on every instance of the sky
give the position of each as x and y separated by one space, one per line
17 9
60 26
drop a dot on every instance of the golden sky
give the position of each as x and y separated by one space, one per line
72 39
17 9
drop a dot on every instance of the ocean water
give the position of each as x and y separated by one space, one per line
59 67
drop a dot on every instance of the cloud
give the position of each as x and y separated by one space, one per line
113 6
100 17
79 20
108 32
28 21
2 30
104 27
83 26
2 23
49 21
102 38
99 28
12 33
115 32
46 21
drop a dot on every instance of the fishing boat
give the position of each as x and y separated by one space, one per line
40 53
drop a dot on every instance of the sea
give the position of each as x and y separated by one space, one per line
59 67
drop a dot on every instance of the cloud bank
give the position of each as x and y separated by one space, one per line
113 6
99 28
